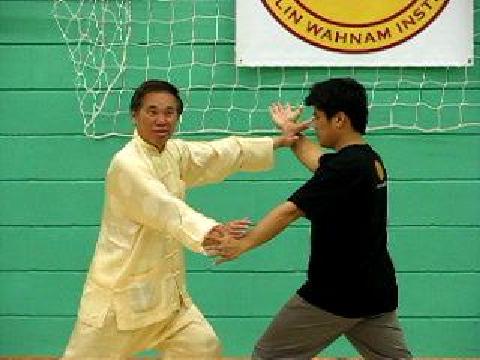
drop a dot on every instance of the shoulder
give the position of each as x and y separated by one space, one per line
128 159
354 159
177 144
125 154
179 149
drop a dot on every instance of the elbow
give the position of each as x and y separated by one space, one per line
290 211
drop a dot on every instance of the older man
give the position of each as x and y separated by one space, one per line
135 297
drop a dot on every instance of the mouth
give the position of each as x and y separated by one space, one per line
161 132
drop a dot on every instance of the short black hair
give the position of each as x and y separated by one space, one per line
154 86
341 94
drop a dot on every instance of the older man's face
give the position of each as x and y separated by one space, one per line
157 118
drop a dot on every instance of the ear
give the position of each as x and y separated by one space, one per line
340 120
134 119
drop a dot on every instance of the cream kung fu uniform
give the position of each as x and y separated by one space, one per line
135 297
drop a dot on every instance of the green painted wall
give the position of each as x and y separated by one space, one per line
51 183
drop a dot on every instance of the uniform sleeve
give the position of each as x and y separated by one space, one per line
213 161
145 199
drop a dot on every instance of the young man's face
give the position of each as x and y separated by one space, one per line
325 129
157 118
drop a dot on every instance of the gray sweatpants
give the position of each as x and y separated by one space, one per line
301 330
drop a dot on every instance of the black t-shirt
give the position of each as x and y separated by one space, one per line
350 272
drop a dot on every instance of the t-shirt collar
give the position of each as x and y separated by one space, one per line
352 146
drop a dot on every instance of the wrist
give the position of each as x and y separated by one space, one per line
278 142
285 141
248 243
300 137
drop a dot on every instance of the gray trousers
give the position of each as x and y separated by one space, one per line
301 330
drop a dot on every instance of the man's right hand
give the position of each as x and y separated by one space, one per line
235 229
238 228
223 247
225 241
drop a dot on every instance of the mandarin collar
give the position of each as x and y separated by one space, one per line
149 147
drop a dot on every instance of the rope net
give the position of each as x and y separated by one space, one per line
115 45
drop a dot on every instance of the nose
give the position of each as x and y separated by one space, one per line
160 119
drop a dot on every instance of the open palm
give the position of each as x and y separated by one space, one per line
285 117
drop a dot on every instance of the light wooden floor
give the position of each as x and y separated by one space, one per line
227 358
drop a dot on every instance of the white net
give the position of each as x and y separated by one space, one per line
116 44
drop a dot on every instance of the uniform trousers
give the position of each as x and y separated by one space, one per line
184 335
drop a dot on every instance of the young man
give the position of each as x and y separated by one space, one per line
135 296
351 288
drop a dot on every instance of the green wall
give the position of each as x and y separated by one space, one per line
51 184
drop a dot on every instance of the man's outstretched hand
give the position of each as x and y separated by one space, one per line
285 117
225 242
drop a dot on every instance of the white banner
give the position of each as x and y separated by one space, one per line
354 32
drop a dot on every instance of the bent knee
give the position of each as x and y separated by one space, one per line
205 346
203 342
208 343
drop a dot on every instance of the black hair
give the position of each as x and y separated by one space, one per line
154 86
341 94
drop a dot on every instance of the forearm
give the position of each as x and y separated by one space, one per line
272 224
210 162
307 152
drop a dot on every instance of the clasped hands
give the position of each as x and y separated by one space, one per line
226 242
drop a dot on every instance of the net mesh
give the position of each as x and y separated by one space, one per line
114 45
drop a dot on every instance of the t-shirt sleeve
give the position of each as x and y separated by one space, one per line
324 188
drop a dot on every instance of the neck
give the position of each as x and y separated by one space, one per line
350 139
160 146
